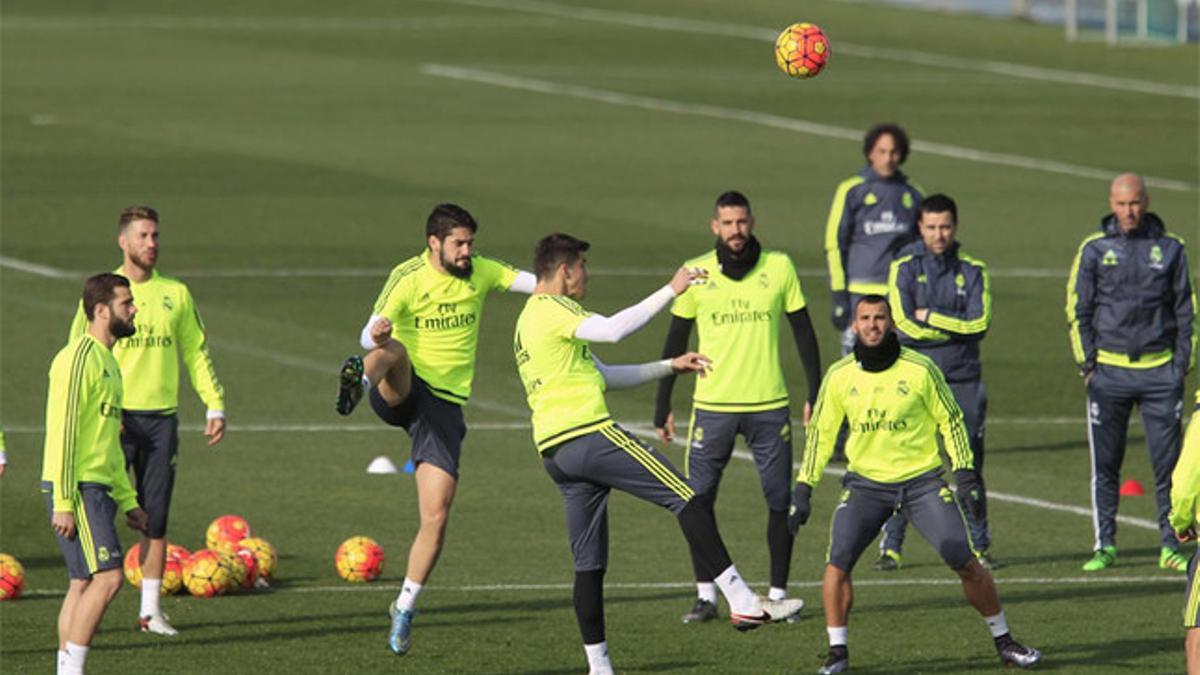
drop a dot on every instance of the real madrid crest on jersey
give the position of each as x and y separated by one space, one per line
167 304
1156 257
763 280
902 388
907 200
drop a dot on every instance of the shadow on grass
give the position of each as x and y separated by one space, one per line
1078 444
1170 587
625 668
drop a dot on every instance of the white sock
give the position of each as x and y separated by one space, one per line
997 624
407 599
776 593
597 656
741 599
707 591
76 657
62 661
151 590
837 635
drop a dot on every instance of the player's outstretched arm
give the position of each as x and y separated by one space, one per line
524 282
626 376
600 328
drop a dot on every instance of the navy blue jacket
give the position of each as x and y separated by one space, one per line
871 219
956 289
1130 301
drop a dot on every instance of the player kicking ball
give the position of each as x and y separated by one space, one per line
894 400
587 454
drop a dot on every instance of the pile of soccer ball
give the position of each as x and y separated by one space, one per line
359 559
233 559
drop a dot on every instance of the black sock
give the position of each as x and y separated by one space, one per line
699 526
1003 640
699 568
839 652
779 543
589 605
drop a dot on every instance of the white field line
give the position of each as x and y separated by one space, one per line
761 34
49 272
652 585
314 24
776 122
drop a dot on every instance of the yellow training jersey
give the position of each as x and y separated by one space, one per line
83 425
168 326
738 322
564 389
435 315
1185 480
893 415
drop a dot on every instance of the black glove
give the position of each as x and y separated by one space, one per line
970 493
841 309
801 507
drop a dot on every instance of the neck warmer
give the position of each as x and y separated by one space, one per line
880 357
737 265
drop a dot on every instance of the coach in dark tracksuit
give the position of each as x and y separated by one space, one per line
942 303
1130 307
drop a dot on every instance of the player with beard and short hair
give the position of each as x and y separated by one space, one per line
169 328
83 467
737 313
896 403
421 340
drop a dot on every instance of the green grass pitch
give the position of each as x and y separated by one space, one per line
294 149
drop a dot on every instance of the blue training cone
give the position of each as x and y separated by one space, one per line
409 467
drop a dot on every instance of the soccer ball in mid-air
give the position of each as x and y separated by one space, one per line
12 577
204 575
359 559
264 552
802 50
225 532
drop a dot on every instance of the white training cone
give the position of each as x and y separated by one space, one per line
382 464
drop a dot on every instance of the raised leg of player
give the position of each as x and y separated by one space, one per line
435 494
979 588
389 368
1192 645
89 608
837 592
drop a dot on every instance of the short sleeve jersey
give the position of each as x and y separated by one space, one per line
436 316
738 323
168 326
564 389
83 425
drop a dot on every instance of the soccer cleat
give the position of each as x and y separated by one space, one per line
838 661
771 611
702 611
1173 560
401 633
156 624
1013 653
1102 559
889 561
350 387
988 562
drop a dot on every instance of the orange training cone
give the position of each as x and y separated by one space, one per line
1132 488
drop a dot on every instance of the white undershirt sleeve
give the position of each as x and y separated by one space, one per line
626 376
524 283
600 328
364 338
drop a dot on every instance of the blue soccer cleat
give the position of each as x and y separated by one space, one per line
401 633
